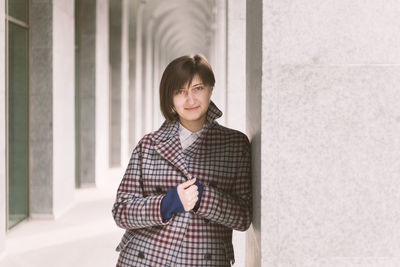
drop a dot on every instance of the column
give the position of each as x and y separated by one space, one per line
52 116
236 65
86 106
102 140
116 79
157 115
2 129
125 153
236 90
133 6
138 75
148 92
330 123
63 105
218 59
253 125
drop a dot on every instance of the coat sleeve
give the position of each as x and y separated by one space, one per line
133 210
231 209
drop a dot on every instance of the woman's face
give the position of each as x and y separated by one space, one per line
191 103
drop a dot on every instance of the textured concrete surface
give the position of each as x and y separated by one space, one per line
86 75
330 134
41 109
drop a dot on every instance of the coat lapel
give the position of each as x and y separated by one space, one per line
167 141
169 146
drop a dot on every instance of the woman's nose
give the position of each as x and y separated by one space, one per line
190 96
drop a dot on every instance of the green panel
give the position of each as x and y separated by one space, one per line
17 124
18 9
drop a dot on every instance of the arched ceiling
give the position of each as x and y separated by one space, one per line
184 26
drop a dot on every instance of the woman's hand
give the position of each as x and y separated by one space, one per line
188 194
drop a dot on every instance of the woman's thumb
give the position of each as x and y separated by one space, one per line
189 183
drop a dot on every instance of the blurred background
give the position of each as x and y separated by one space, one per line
314 85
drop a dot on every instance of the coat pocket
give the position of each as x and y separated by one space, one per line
126 238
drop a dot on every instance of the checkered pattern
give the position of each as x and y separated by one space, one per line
220 159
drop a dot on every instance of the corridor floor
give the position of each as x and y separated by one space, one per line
85 235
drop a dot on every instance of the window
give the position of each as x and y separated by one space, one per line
17 86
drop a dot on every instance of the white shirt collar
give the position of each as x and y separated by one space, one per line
185 133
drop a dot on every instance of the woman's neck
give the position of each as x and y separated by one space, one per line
193 126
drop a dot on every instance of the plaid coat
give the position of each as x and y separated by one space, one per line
220 159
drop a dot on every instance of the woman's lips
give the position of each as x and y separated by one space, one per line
191 108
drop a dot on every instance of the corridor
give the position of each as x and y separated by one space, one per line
313 84
85 235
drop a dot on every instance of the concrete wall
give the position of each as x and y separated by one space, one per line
2 128
330 141
63 105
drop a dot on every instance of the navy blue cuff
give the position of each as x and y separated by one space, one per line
170 204
200 189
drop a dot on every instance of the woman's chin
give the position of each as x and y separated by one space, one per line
192 117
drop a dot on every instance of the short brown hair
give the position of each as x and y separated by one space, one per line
178 72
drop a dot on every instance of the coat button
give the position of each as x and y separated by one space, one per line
206 220
141 255
207 256
158 190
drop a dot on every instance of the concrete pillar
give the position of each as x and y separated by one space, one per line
116 80
102 91
218 61
125 153
86 91
236 90
63 104
41 109
139 74
52 121
133 8
253 124
148 90
330 123
93 87
2 128
236 65
157 115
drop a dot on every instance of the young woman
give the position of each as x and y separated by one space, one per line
188 184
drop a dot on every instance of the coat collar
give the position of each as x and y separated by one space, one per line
167 141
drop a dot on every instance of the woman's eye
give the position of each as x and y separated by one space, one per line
179 92
199 88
